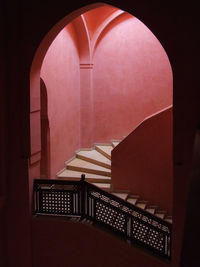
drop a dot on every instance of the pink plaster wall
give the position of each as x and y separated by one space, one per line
97 16
132 78
60 73
142 162
59 243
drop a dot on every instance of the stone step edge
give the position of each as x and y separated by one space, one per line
87 170
94 161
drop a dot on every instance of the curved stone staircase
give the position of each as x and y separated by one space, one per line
95 163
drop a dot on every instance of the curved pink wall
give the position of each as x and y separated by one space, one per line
60 72
142 162
132 78
101 98
96 17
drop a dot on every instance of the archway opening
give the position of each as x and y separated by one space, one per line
104 76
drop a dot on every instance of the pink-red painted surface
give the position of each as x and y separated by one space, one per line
142 162
100 98
61 75
95 17
58 243
86 106
132 78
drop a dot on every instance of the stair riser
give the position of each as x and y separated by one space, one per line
152 211
103 153
162 216
106 189
82 169
142 206
102 164
132 201
168 220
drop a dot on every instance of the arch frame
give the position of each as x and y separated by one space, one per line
36 65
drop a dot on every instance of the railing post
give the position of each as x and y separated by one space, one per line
128 230
82 204
36 200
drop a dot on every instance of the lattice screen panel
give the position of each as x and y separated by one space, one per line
147 235
110 216
58 202
72 198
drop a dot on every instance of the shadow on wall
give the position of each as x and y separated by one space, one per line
45 166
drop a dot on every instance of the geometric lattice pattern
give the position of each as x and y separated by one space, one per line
147 235
56 202
110 216
85 200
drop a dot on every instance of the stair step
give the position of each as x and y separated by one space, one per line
151 210
132 199
168 219
160 215
103 186
104 150
95 157
95 163
75 175
115 142
120 195
141 204
84 166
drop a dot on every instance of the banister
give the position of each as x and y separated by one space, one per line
80 198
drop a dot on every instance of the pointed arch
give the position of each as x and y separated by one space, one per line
117 17
101 28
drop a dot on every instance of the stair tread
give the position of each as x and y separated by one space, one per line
85 164
120 195
95 155
106 148
115 143
160 215
162 211
168 220
132 200
151 210
141 204
76 174
102 185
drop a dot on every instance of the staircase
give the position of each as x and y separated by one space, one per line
95 163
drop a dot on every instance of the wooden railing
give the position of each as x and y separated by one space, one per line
80 198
